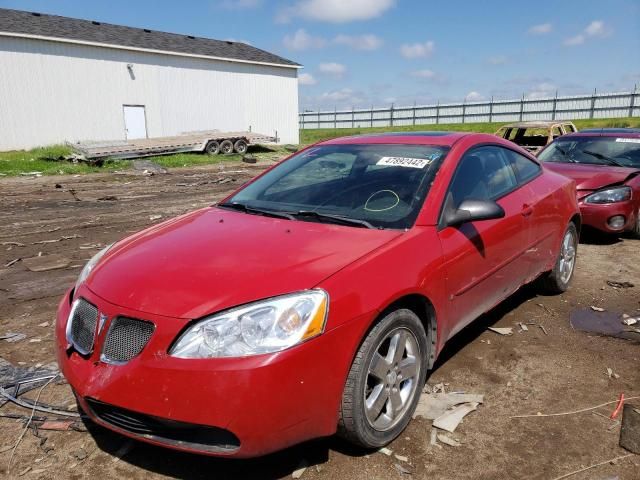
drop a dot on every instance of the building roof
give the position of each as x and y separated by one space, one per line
54 27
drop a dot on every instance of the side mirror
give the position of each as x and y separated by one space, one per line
472 210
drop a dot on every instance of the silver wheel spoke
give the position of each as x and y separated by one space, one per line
396 402
408 368
397 347
379 367
377 400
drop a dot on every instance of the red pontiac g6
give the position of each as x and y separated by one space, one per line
606 167
315 298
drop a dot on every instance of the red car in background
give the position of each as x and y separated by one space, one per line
605 164
315 298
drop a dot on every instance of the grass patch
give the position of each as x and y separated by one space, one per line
46 161
312 136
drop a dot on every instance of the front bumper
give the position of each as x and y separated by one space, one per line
246 407
598 215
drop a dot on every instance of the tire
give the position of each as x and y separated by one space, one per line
226 147
240 146
212 148
370 379
635 233
557 280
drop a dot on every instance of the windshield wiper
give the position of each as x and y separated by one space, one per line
256 211
333 218
604 157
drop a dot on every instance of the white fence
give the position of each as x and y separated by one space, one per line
597 105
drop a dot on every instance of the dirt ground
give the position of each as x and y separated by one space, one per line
527 372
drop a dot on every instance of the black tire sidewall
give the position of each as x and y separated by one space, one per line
242 150
362 430
226 142
210 147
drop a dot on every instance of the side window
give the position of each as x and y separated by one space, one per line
525 169
556 132
569 128
482 174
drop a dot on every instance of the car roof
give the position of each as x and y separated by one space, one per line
610 130
628 133
414 138
536 124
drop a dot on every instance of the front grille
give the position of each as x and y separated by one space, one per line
82 326
125 339
169 432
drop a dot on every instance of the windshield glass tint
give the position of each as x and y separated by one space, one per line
384 185
623 152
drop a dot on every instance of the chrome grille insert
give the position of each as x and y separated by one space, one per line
81 327
125 339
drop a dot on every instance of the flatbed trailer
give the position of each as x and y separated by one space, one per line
211 142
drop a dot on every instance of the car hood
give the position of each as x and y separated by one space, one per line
214 259
592 177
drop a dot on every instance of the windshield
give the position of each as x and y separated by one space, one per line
619 152
381 186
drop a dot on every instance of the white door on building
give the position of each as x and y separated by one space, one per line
135 123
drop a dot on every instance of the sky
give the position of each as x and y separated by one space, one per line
363 53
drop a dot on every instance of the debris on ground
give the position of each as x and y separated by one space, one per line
46 262
433 441
630 320
13 337
148 167
614 284
249 159
611 373
597 309
432 406
502 330
56 240
630 430
300 470
402 469
603 323
523 327
447 440
402 458
155 217
108 198
573 412
11 262
450 420
386 451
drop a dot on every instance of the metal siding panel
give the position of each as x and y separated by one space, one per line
53 92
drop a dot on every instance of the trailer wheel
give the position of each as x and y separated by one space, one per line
240 147
226 147
212 148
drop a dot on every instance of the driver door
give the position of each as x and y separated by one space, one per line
484 260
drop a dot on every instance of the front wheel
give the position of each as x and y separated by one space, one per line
385 381
635 233
558 279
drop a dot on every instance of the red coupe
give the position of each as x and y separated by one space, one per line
606 167
314 299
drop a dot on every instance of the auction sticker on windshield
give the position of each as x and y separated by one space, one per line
628 140
404 162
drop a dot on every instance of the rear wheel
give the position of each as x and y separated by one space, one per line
226 147
240 147
558 279
385 381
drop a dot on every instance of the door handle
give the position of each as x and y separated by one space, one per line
527 210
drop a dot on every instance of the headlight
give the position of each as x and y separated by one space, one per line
611 195
263 327
89 266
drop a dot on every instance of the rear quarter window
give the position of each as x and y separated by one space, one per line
524 168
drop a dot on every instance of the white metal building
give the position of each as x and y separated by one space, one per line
63 79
